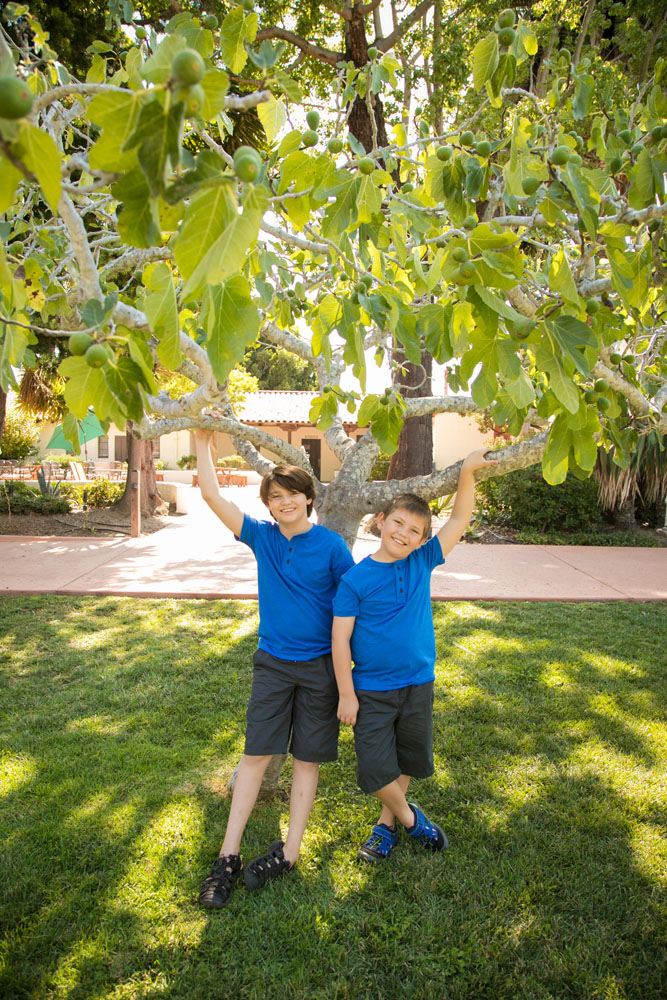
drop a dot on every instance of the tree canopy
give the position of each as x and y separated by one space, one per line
514 230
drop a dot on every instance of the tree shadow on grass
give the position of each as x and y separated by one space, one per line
550 888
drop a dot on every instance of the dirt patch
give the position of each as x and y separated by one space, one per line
80 524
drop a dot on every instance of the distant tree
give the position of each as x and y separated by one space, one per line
275 368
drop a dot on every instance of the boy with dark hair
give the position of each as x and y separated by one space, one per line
294 695
384 623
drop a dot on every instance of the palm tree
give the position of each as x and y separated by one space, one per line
644 478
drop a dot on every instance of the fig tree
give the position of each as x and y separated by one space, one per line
335 145
248 5
313 119
603 404
79 343
615 164
625 136
460 255
444 153
664 131
592 306
140 32
187 67
310 137
615 358
483 148
565 56
523 328
15 97
210 21
591 396
629 359
600 385
366 165
506 36
467 138
469 222
372 52
656 133
407 187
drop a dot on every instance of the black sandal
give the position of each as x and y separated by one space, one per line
271 865
217 887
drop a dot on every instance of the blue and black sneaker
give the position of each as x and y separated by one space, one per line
428 834
379 844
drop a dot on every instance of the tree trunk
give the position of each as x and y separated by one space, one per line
140 456
624 516
414 456
359 122
3 410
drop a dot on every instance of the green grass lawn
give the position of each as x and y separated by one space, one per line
122 720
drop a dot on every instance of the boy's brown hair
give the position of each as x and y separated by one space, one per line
291 478
410 502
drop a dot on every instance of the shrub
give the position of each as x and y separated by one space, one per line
99 493
187 462
19 437
524 500
380 467
233 462
63 460
23 501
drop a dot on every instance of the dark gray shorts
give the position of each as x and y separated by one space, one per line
297 697
394 735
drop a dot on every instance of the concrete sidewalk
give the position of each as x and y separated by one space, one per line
197 557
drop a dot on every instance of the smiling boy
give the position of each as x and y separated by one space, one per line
384 623
294 695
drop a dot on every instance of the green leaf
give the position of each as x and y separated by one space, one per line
642 191
206 217
215 85
161 310
70 427
86 387
562 385
586 197
138 219
233 35
584 91
157 69
229 250
341 215
555 458
157 137
573 336
39 153
520 390
9 181
386 425
289 86
117 115
484 60
273 115
232 323
561 280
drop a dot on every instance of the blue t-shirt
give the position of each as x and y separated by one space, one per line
297 580
393 642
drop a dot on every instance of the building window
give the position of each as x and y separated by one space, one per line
103 447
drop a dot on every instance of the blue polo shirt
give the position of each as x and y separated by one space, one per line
393 642
297 580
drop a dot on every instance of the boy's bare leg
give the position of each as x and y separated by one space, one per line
246 789
305 776
394 803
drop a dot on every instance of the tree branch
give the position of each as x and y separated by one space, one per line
316 51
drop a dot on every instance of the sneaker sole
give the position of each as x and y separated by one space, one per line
370 856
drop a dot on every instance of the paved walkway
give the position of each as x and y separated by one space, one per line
197 557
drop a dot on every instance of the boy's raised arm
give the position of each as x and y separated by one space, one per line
230 515
348 705
464 503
